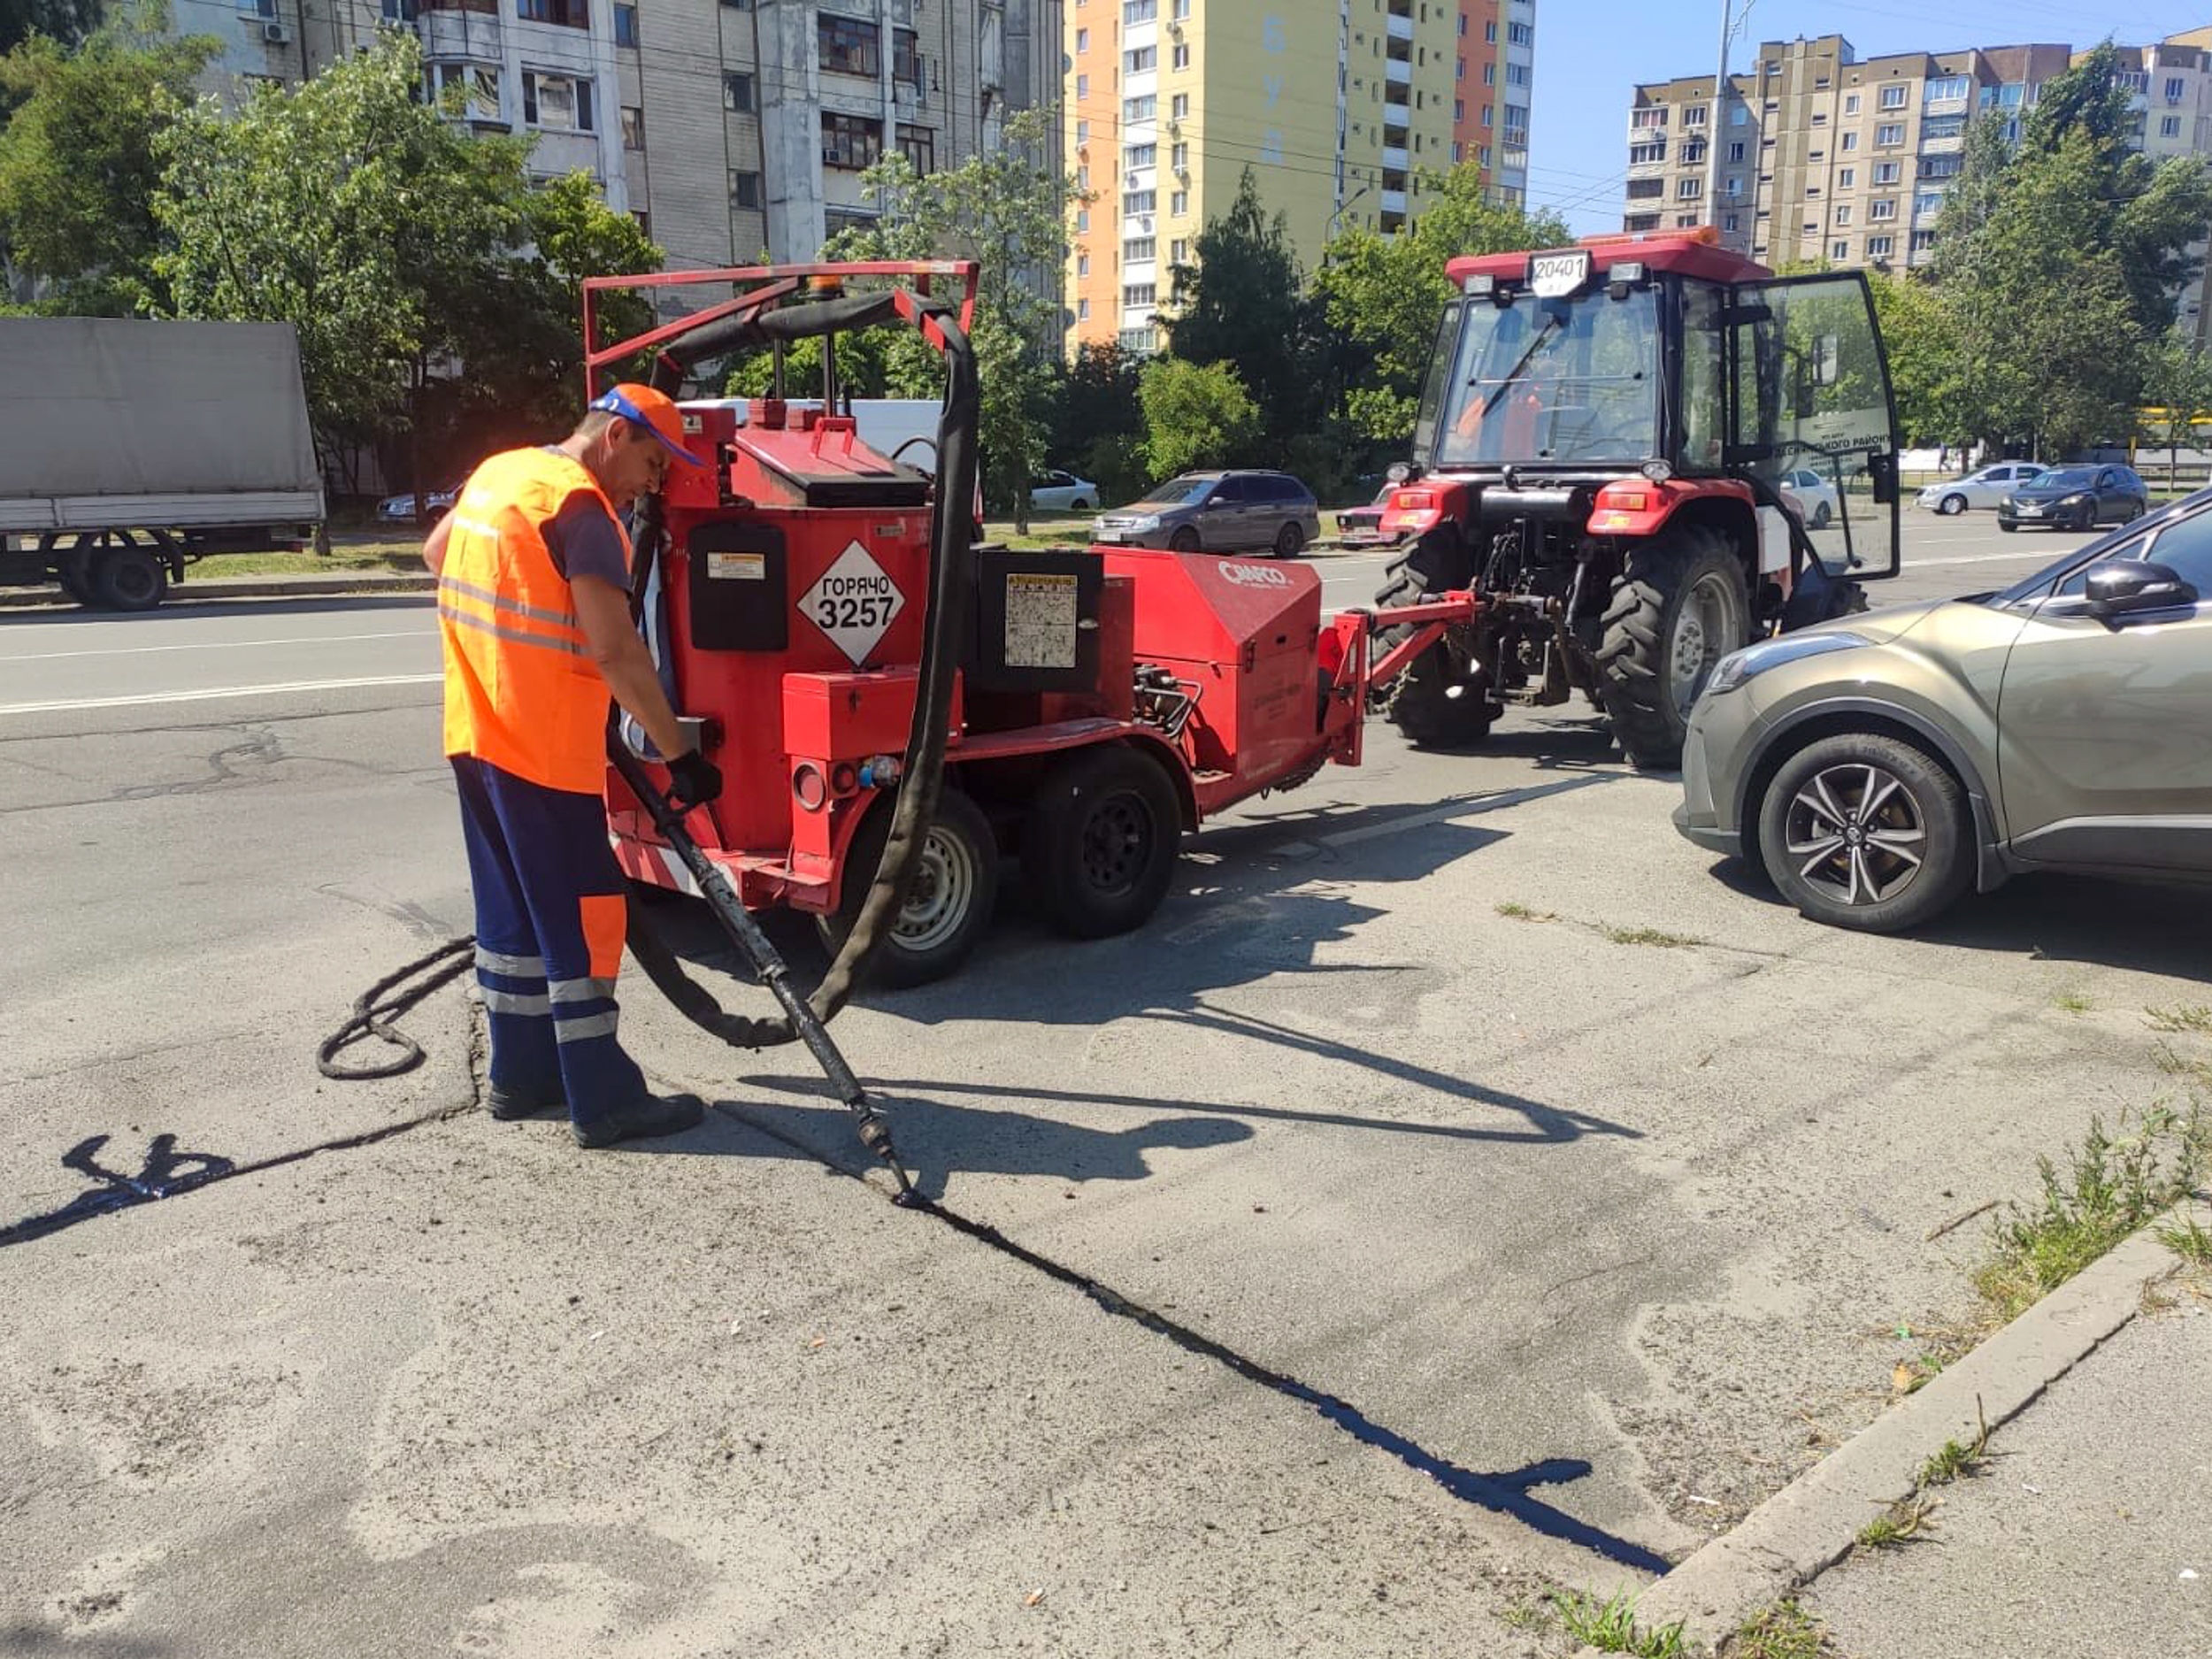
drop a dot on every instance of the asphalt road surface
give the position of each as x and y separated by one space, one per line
1517 1196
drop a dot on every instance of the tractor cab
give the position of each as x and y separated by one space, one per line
1653 416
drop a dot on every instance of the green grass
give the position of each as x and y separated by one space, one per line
1955 1458
2110 1187
1522 913
2191 1016
2188 1241
380 556
1654 936
2071 1003
2197 1073
1903 1521
1785 1631
1610 1626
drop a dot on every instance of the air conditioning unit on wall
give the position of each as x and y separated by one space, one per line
274 34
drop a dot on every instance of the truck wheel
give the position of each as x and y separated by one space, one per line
1418 702
73 571
948 905
129 578
1677 608
1866 831
1098 849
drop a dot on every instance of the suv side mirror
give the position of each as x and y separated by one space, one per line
2118 587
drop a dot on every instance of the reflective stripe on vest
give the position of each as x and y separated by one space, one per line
522 692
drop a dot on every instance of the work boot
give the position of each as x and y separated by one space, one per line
507 1104
645 1119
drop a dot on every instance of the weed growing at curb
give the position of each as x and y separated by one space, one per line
2197 1073
1953 1460
1610 1626
1650 936
2071 1003
2188 1241
2185 1017
1522 913
1785 1631
2111 1187
1903 1521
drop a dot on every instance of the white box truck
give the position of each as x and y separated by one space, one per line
128 449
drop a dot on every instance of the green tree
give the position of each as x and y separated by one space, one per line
1242 302
1101 428
64 21
79 166
1195 415
1924 359
1385 294
1008 211
2177 393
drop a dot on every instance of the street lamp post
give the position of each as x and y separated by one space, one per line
1730 21
1336 219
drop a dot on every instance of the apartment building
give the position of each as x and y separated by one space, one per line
1819 154
730 128
1336 109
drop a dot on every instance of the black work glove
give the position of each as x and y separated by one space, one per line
697 780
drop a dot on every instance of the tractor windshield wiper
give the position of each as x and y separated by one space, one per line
1514 373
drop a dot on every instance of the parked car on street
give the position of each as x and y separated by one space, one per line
2075 498
1217 512
1984 488
401 509
1815 495
1877 767
1063 492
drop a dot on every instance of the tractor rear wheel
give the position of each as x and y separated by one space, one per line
1678 607
1419 702
948 903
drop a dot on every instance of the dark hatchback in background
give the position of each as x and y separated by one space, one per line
2075 498
1877 767
1217 512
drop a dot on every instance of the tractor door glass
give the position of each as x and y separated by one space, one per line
1813 395
1433 388
1703 435
1555 381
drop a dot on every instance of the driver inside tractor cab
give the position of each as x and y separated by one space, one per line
1570 379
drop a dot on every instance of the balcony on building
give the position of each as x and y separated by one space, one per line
1398 71
1397 116
1393 158
1401 27
1392 201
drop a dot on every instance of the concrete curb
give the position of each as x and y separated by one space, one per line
215 588
1814 1522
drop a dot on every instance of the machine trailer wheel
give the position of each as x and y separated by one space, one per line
1677 608
1419 702
949 905
1098 849
128 578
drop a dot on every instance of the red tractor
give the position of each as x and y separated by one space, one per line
1642 453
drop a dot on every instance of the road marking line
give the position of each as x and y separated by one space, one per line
220 645
68 705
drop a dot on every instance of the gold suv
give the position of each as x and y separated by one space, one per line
1877 767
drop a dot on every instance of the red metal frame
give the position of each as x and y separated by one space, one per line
1696 254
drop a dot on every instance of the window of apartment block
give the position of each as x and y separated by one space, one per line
1141 109
1182 8
1738 114
1695 115
1889 132
1843 213
848 46
1082 132
1082 265
1459 111
560 103
737 93
1490 75
1944 88
633 127
1653 115
1886 172
851 142
1640 222
745 190
1082 311
1923 241
1640 154
1850 104
1735 152
1180 57
1692 151
1927 202
572 14
1140 11
1893 95
1137 202
1490 33
1139 59
625 26
1082 219
1136 250
644 221
1179 157
1462 25
1138 293
1880 247
1459 69
1689 189
1840 250
1521 33
1179 106
1846 177
1728 222
1812 227
1886 208
1178 203
1179 250
1850 141
1082 40
1685 221
918 145
2169 126
1483 154
2174 87
1517 75
478 93
1733 185
1135 156
1082 85
1488 110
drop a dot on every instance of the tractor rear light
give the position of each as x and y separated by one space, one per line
1415 500
1614 499
809 787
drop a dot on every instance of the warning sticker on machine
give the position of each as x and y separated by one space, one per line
737 567
1040 620
855 601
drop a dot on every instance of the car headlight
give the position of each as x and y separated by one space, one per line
2079 499
1150 521
1739 666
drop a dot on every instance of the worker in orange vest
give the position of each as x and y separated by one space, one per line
533 581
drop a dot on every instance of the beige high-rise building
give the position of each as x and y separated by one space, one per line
730 128
1337 108
1827 156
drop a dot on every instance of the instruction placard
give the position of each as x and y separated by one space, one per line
1040 620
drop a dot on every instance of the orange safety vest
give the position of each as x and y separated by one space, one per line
521 690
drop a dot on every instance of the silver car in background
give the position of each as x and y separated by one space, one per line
1217 512
1984 488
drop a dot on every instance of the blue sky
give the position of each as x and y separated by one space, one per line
1589 54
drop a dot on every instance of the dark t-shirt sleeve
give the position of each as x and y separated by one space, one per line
585 540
